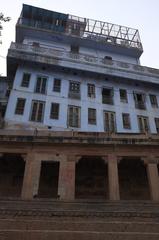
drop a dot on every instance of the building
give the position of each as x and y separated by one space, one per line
82 119
3 98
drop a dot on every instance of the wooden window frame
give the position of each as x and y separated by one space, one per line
123 95
41 84
20 105
92 116
26 80
57 85
126 120
153 100
54 111
143 124
91 90
71 120
37 117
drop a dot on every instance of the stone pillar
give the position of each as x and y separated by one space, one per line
66 186
153 179
31 177
113 179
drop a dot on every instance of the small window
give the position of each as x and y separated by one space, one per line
108 58
54 113
26 80
36 44
92 116
91 90
157 124
37 111
41 85
153 100
74 116
143 123
75 49
74 90
126 120
140 101
107 96
123 96
20 106
57 85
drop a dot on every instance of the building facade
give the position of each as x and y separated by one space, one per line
82 119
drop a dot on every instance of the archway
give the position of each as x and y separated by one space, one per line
133 180
11 175
91 178
48 184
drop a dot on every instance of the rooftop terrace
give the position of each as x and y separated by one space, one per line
84 28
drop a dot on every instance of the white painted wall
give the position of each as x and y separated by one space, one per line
84 103
83 50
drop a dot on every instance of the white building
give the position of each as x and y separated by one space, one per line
72 73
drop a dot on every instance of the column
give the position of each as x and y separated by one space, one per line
153 179
66 186
113 179
31 177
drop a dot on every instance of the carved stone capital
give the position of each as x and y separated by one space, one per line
151 159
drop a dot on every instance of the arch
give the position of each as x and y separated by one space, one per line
91 181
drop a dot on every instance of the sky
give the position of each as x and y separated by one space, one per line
139 14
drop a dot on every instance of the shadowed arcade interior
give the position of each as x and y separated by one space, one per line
133 180
91 178
11 175
48 185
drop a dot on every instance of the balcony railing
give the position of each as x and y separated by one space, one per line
107 100
140 105
83 59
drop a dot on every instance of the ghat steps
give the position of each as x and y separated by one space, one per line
95 220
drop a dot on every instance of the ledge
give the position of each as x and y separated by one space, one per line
19 53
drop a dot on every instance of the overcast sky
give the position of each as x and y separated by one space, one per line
140 14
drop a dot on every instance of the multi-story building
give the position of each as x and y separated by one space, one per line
3 99
82 119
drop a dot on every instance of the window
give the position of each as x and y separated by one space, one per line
107 96
37 111
91 116
109 122
57 85
126 120
123 96
91 90
74 90
157 124
36 44
108 58
143 123
74 49
74 116
41 85
153 100
140 101
20 106
26 80
54 113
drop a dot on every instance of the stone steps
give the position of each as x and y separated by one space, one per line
79 220
74 235
84 226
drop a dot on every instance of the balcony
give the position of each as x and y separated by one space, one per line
22 53
107 100
140 105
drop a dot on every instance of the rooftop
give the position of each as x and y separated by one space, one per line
84 28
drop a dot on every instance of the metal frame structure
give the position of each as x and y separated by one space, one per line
108 32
